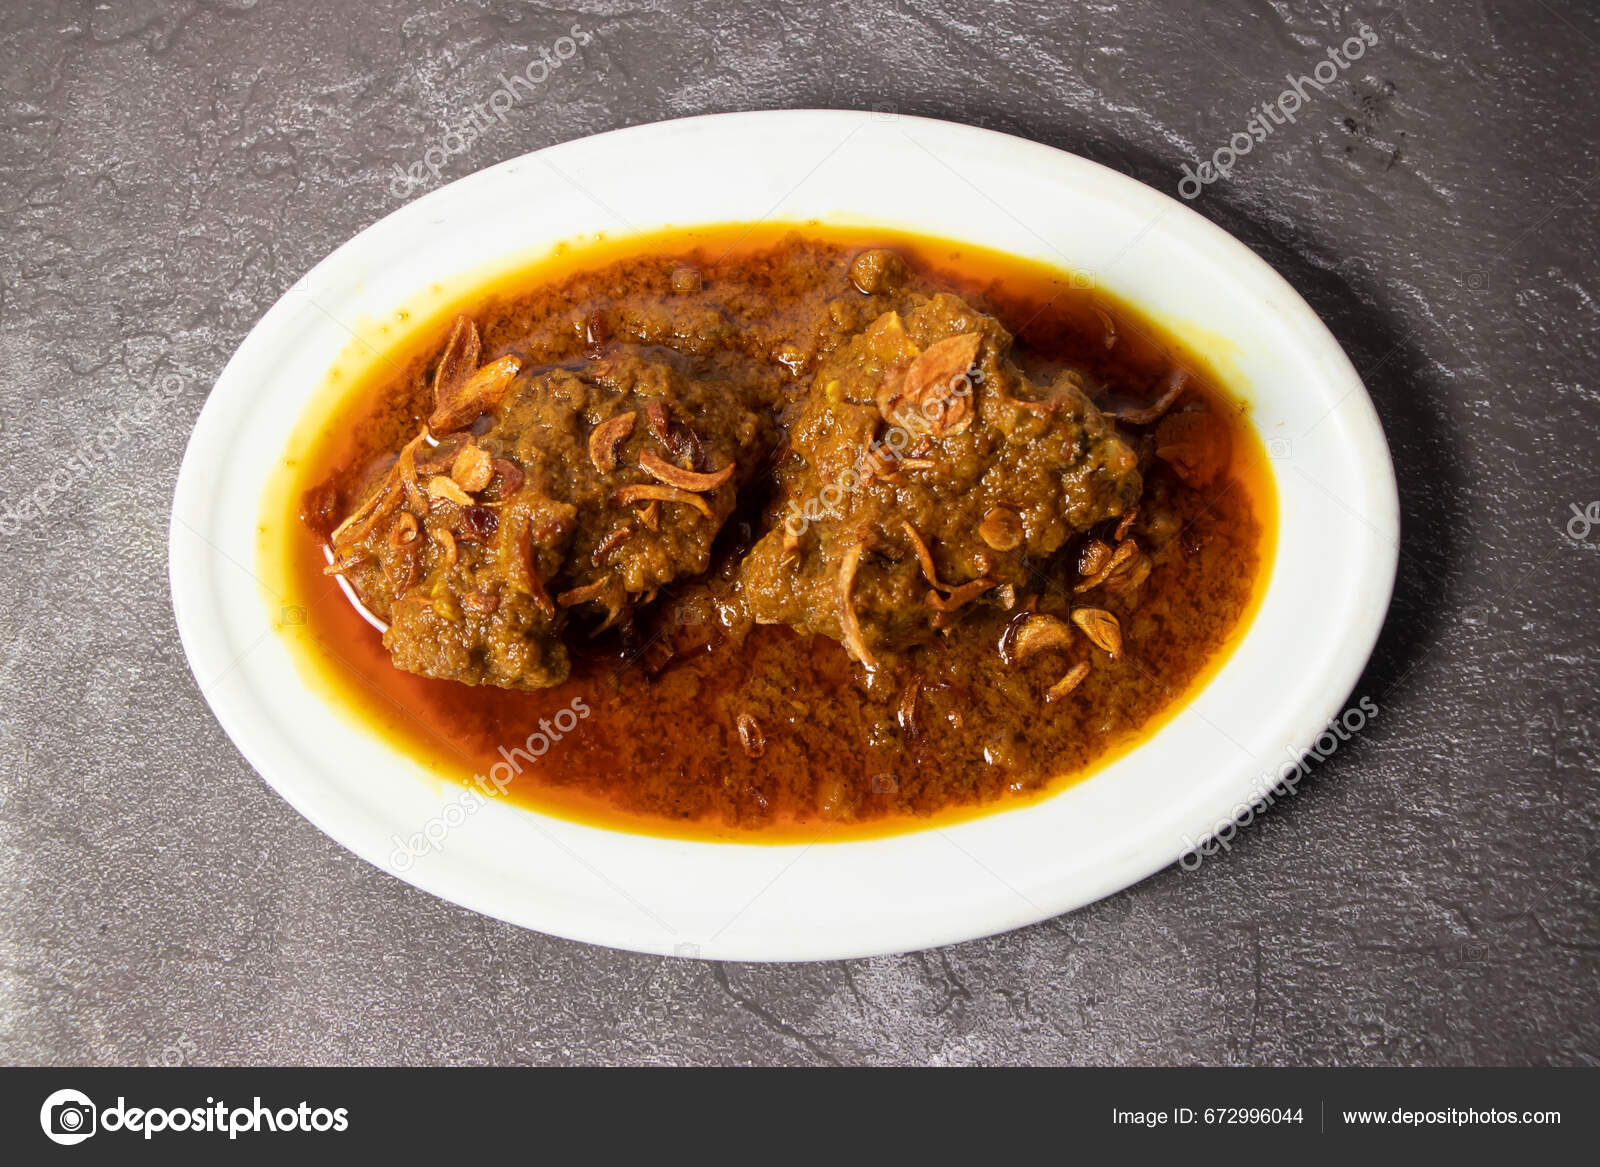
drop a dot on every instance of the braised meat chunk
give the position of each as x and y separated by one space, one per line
925 473
569 496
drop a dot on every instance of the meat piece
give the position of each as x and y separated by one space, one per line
924 473
480 566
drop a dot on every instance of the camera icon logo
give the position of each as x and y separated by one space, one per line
68 1117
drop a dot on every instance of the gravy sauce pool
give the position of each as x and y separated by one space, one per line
645 737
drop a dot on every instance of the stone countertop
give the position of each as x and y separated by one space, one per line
1430 895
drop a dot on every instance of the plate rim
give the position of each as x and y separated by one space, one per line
458 888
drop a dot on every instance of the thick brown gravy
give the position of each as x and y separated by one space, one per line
642 741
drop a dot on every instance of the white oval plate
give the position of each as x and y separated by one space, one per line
1323 608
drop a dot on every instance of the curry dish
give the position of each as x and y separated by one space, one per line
749 533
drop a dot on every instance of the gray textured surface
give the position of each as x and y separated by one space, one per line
168 169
